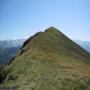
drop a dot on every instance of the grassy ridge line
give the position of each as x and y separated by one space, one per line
50 61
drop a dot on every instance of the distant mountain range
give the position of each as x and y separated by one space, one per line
49 60
8 49
6 54
11 43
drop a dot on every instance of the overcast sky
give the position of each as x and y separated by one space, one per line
22 18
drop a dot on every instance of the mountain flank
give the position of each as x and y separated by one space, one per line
49 60
84 44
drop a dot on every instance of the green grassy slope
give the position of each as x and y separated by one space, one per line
50 61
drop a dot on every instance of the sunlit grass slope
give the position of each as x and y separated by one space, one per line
49 61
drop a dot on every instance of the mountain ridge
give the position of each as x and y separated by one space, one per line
53 30
49 61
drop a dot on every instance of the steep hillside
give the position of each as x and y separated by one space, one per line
84 44
49 61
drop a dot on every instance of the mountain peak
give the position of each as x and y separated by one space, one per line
52 29
51 38
45 58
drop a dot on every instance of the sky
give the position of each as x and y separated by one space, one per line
21 19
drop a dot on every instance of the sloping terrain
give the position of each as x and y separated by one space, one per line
84 44
49 61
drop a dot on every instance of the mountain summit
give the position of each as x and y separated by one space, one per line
53 38
49 61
